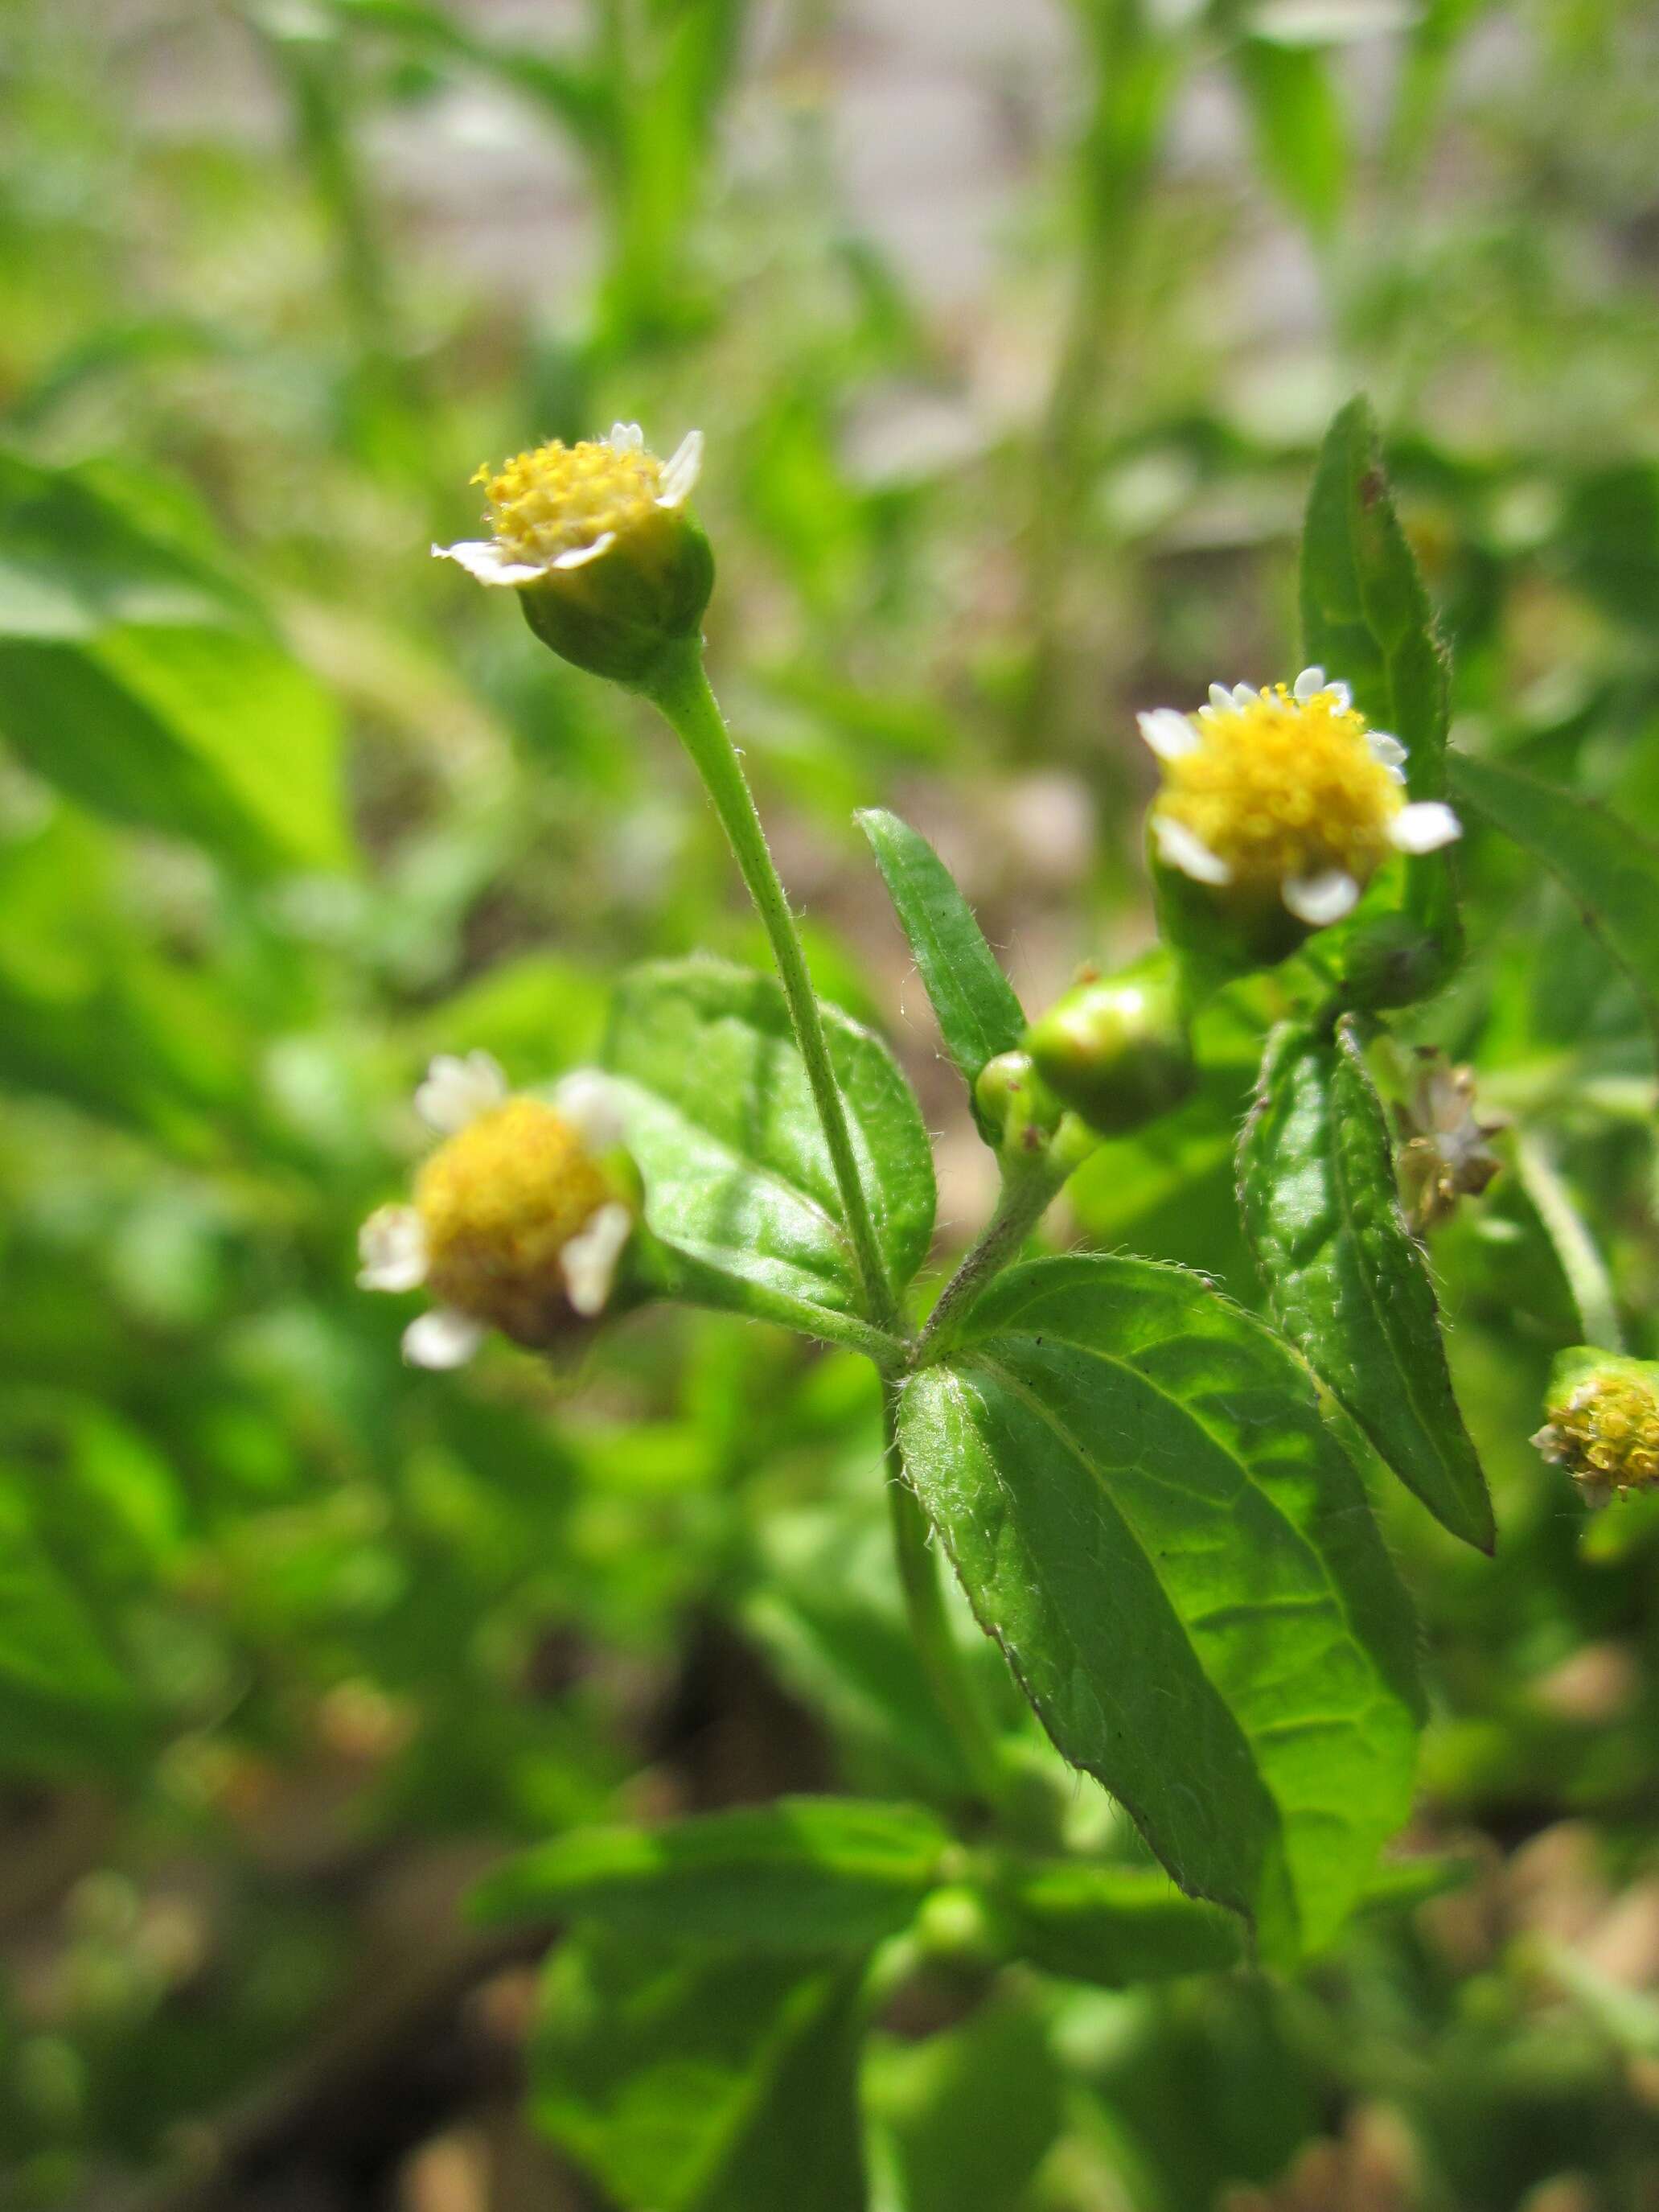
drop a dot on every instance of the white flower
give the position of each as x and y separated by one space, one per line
557 508
1286 793
515 1218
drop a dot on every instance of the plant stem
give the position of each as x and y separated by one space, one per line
1021 1204
679 688
930 1625
1588 1281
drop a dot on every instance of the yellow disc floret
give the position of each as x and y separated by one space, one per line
1283 790
558 500
1603 1424
499 1203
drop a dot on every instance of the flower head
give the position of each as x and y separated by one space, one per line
1285 794
596 539
1447 1154
1603 1425
518 1220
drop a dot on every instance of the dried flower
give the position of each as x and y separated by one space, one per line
1447 1154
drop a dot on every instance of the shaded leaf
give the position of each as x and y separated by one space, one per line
979 1016
702 2084
1346 1279
1366 618
803 1873
1146 1509
738 1178
1112 1925
1609 868
972 2112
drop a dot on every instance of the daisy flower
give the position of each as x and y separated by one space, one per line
1285 794
517 1221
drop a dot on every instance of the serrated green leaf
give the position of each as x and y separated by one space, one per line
738 1177
1112 1925
979 1016
1133 1480
1347 1281
702 2084
1609 868
800 1875
1366 619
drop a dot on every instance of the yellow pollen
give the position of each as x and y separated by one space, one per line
562 499
1283 789
1610 1429
499 1202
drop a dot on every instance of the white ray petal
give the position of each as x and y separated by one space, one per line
1310 681
1323 898
456 1091
1384 748
1425 827
580 555
1179 849
1221 699
586 1099
625 438
1341 693
589 1260
680 472
391 1244
1169 732
482 559
442 1338
1244 695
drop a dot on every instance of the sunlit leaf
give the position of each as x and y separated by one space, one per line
1133 1480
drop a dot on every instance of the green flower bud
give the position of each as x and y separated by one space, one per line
597 541
1603 1420
1114 1048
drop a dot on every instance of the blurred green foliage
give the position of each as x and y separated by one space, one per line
294 1641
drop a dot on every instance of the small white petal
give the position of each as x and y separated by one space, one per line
1549 1441
1179 849
1307 685
625 438
442 1338
391 1244
580 555
681 471
1341 693
1244 695
589 1260
1384 748
587 1100
1221 699
456 1091
1323 898
483 559
1168 733
1425 827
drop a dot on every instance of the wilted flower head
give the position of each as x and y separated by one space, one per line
1603 1425
1447 1155
1285 795
518 1220
598 540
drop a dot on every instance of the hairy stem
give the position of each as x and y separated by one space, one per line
679 688
930 1626
1024 1201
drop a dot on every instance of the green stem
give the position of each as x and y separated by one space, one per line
1588 1281
930 1625
1024 1201
679 688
